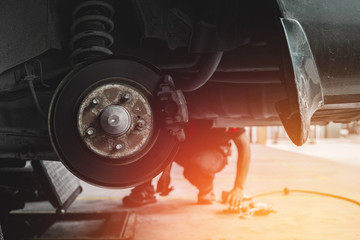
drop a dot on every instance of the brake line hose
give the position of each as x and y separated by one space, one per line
30 78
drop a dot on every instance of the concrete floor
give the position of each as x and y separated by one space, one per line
298 216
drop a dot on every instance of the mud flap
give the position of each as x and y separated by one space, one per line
302 83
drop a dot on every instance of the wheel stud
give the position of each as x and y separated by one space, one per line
95 101
126 97
140 125
90 131
119 146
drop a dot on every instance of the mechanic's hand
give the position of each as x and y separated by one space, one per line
234 198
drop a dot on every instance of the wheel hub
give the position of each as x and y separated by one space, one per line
103 124
115 120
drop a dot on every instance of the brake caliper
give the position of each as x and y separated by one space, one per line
173 108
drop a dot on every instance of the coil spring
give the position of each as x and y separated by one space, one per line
91 28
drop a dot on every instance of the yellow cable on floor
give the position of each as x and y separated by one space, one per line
286 191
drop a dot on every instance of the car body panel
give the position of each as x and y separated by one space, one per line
332 29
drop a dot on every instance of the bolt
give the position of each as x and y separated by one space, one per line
90 131
126 96
95 101
60 211
140 125
118 146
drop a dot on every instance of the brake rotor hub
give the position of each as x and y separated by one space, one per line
115 120
106 125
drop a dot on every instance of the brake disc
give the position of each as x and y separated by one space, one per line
105 126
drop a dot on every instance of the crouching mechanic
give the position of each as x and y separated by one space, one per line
203 154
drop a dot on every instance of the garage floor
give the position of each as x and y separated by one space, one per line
298 215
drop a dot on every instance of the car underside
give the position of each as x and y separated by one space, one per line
107 87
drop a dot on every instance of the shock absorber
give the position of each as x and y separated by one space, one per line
91 28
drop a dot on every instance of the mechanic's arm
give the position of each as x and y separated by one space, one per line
235 196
